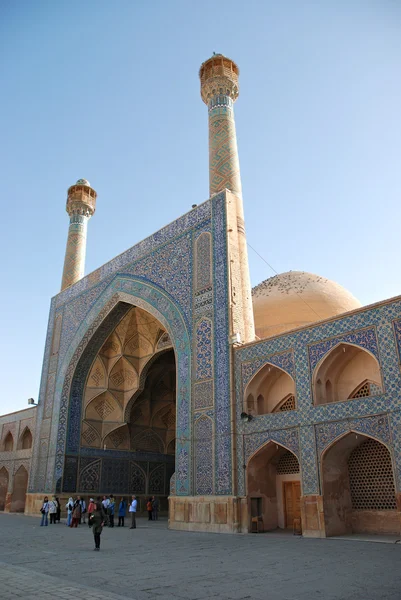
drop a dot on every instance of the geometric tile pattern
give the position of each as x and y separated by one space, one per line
203 433
203 261
203 395
223 153
376 426
204 367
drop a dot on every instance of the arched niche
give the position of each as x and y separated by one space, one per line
342 371
271 386
19 490
274 486
25 441
104 407
171 447
4 479
9 442
117 439
358 487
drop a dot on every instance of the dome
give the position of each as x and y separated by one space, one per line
83 182
295 299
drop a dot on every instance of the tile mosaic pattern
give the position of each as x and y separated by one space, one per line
223 152
203 259
376 426
365 338
284 361
203 433
204 346
203 394
288 438
222 364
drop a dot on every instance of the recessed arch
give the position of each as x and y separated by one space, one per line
4 480
142 381
270 385
358 486
20 485
25 440
273 486
342 370
8 442
117 438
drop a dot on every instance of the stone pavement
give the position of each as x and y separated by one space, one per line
153 563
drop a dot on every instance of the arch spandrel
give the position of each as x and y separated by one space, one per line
376 427
287 438
123 293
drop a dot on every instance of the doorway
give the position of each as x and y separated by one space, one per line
292 502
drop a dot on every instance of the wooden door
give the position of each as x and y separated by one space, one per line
292 502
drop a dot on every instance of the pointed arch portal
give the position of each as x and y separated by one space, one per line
274 487
125 296
358 487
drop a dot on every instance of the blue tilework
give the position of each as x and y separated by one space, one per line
203 433
365 338
223 462
284 361
204 343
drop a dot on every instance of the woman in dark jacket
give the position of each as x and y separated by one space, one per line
97 520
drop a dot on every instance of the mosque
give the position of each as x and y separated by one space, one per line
243 410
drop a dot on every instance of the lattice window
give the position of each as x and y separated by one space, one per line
288 464
371 477
362 392
288 404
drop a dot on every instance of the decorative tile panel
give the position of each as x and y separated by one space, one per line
204 456
204 342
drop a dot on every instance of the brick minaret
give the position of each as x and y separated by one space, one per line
219 91
81 203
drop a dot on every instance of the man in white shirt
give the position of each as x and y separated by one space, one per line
106 503
132 510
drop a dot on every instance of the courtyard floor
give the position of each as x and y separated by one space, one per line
153 563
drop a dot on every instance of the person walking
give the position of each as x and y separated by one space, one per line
76 513
121 513
45 511
58 513
110 511
149 508
96 521
70 507
91 510
53 510
132 510
83 510
155 508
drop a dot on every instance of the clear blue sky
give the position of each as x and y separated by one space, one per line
109 91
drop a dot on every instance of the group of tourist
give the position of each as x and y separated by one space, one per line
100 513
50 507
